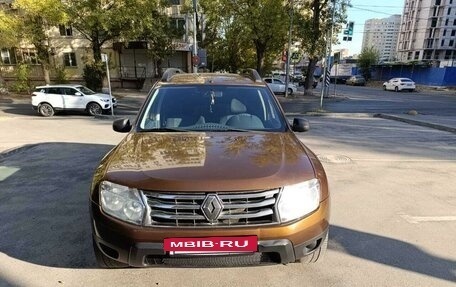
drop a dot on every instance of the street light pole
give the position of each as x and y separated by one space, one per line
287 70
325 90
195 43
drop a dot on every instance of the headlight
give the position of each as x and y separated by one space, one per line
122 202
105 100
298 200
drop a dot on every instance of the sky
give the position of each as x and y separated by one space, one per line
361 11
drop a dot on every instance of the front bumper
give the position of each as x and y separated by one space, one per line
142 247
269 251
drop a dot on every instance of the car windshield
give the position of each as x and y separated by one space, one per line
211 108
85 90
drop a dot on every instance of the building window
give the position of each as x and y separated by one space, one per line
6 57
454 22
437 2
65 30
29 57
444 32
442 43
177 26
446 22
449 11
69 60
451 43
174 2
453 33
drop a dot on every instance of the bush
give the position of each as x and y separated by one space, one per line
60 75
93 76
22 83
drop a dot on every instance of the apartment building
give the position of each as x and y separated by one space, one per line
428 32
382 34
130 63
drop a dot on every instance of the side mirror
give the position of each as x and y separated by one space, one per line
78 94
122 125
300 125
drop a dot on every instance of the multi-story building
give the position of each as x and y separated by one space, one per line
428 32
382 34
130 63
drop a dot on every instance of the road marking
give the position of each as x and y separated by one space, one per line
419 219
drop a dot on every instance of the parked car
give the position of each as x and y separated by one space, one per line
278 86
399 84
356 81
226 180
51 98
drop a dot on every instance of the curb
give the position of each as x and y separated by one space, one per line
417 123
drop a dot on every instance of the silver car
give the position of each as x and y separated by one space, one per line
278 86
399 84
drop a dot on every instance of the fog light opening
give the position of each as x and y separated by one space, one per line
109 251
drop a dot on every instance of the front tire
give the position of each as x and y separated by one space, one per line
290 91
384 88
396 89
94 109
46 110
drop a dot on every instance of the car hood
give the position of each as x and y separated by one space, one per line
102 96
214 161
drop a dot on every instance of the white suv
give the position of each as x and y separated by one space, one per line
51 98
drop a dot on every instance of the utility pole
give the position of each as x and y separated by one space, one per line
287 70
325 89
195 43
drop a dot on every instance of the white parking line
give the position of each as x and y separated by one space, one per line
419 219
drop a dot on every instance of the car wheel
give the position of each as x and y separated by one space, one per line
290 91
384 87
94 109
46 110
396 89
104 261
318 254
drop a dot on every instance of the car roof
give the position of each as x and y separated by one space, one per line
181 78
59 86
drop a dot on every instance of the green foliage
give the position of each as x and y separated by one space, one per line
22 83
60 75
93 76
369 56
245 32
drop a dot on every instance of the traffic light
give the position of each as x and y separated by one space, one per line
350 28
348 31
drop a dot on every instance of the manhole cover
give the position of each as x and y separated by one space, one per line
341 159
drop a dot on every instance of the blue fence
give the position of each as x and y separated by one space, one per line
422 75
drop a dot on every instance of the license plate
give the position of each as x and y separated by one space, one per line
211 245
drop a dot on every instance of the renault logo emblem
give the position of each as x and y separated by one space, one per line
212 207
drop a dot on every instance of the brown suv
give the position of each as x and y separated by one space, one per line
209 173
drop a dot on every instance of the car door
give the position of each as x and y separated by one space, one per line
73 99
270 84
279 86
54 97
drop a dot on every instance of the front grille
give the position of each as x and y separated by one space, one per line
237 209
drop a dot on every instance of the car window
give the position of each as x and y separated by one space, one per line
69 91
277 81
406 80
212 108
54 91
85 90
268 81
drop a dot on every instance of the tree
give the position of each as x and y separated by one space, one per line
315 20
100 21
28 21
369 56
244 25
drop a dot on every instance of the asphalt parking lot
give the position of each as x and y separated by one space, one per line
393 219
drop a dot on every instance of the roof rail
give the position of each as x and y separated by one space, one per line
252 74
169 73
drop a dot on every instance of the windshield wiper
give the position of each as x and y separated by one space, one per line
164 130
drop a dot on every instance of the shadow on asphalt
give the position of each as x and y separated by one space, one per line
45 215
